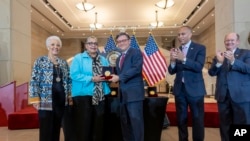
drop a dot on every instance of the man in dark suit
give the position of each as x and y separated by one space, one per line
232 69
131 88
187 62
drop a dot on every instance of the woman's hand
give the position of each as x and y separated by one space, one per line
36 105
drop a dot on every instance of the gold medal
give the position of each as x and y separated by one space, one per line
113 93
58 79
152 92
107 73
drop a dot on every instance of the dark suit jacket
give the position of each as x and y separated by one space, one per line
131 82
191 71
236 77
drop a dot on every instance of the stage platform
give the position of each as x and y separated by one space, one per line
211 118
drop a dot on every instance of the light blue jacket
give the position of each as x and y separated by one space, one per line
81 74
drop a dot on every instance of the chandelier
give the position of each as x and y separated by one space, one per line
156 23
164 4
85 6
95 25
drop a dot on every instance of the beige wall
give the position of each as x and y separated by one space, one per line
15 38
70 47
207 38
38 47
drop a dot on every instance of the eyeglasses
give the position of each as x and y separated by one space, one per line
92 43
122 41
232 40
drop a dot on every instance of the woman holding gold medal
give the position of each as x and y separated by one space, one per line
49 90
89 90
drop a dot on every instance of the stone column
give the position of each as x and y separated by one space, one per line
15 41
232 16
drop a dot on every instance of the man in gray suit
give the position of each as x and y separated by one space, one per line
187 62
131 88
232 69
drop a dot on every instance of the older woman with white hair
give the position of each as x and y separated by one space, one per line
49 88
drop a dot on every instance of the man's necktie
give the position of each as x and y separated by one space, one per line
184 50
122 60
228 65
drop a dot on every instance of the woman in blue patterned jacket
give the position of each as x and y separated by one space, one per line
49 88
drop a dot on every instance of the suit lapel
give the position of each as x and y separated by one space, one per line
127 55
236 53
190 49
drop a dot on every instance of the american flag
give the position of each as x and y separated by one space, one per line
154 64
133 42
110 45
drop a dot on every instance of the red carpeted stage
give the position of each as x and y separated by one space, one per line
211 118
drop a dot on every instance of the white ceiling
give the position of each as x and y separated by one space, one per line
133 16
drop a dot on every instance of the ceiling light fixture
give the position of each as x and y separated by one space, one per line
95 25
164 4
156 23
85 6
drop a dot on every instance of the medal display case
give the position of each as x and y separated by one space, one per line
107 71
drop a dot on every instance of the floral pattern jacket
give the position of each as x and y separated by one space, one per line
40 87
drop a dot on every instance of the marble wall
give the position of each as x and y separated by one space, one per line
15 38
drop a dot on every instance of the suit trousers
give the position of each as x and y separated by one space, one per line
196 106
132 121
232 113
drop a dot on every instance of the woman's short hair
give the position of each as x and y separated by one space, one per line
48 40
